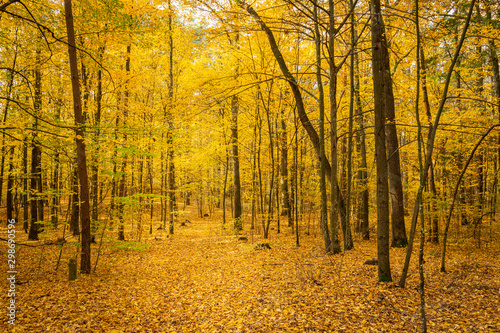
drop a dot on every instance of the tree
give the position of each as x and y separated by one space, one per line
380 82
80 144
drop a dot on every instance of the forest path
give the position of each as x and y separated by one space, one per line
203 279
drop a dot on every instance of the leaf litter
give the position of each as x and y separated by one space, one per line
203 279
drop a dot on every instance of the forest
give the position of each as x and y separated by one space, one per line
250 166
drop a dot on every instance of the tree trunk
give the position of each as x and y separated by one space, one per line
493 57
95 162
74 225
434 231
25 201
285 197
336 200
348 243
380 75
10 186
271 181
363 208
10 77
36 159
321 106
236 158
80 144
122 189
394 167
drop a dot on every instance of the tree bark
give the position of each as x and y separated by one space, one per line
74 225
24 197
337 203
10 186
322 170
434 220
80 144
493 57
363 201
285 197
95 163
36 159
380 75
172 206
236 159
122 189
10 76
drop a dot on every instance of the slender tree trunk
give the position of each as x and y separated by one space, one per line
285 197
321 106
95 162
80 144
348 243
335 195
10 186
122 190
10 78
224 191
36 158
394 165
363 208
493 57
54 207
24 199
114 181
271 181
380 75
236 158
422 171
434 231
254 174
171 188
75 202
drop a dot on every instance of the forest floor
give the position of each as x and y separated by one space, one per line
203 279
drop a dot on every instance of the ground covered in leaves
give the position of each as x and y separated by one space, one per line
204 279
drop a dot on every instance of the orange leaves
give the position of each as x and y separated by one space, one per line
204 280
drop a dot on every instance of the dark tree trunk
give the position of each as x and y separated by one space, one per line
394 167
434 220
55 182
10 76
172 206
80 144
363 208
10 187
35 227
74 225
380 75
493 57
95 163
24 198
337 203
236 159
285 197
322 162
266 225
122 189
36 159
